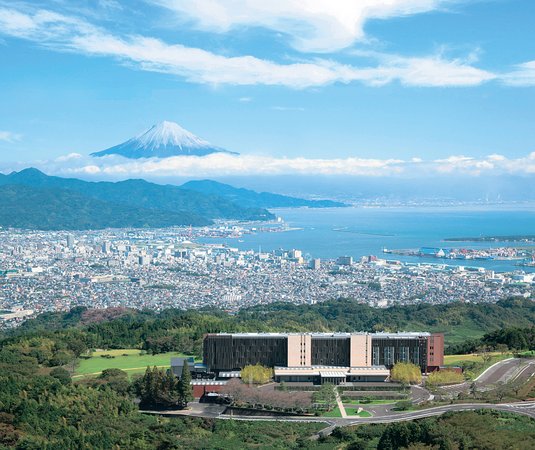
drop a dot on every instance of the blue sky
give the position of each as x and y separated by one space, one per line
377 86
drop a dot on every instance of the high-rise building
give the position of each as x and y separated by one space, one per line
144 260
315 264
70 241
344 261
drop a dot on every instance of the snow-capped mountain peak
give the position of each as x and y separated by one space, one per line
169 133
163 140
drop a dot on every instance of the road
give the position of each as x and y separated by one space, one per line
213 411
508 370
504 371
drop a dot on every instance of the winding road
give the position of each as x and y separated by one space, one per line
509 370
520 370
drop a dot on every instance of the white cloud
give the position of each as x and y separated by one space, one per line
69 157
10 137
218 165
66 33
313 25
491 164
522 75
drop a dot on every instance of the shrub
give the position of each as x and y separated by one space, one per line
445 377
256 374
407 373
403 405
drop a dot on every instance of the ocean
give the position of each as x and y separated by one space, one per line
358 231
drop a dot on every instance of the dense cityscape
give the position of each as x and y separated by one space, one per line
162 268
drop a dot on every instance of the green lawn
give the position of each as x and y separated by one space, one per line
353 412
132 363
334 413
480 367
457 360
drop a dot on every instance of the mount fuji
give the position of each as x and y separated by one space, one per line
163 140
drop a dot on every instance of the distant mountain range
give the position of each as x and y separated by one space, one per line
32 199
163 140
249 198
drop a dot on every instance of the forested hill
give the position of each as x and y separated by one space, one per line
143 198
247 197
183 330
59 209
41 407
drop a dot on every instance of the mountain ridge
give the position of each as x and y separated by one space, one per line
29 207
140 193
136 202
248 197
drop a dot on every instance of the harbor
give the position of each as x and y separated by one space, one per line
522 256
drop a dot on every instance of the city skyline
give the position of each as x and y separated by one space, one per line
375 88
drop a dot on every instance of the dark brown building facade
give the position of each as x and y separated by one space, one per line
232 352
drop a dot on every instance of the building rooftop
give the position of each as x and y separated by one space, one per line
404 334
331 371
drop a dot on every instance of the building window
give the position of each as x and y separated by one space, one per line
375 356
416 356
389 356
404 354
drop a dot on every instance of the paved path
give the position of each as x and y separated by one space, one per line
420 395
524 408
340 404
503 371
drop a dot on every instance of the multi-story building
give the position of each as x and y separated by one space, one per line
321 357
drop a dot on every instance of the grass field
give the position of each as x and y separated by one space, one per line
456 360
479 367
353 412
334 413
129 360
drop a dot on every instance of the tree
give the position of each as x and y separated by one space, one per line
484 352
151 388
184 388
325 395
77 347
473 389
62 375
403 405
116 379
407 373
234 389
169 390
256 374
502 348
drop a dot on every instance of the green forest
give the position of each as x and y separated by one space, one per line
182 331
42 407
32 199
45 410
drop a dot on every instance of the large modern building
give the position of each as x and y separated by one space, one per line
323 357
